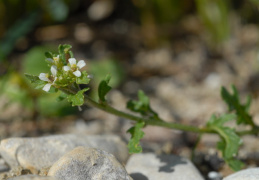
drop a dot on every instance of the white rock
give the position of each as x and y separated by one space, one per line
32 177
88 164
163 167
247 174
3 166
40 153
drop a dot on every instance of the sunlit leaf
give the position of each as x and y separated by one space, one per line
33 62
83 79
230 141
104 88
62 96
136 134
234 104
78 98
142 106
37 83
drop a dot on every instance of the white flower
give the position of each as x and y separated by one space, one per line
47 87
45 77
81 64
77 73
54 70
75 66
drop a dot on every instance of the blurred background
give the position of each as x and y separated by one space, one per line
180 52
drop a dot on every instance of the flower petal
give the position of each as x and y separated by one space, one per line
72 61
81 64
54 70
43 77
77 73
66 68
47 87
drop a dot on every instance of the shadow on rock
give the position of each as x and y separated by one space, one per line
170 162
138 176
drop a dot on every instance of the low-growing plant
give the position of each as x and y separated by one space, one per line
66 76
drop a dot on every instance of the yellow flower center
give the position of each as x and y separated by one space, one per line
73 67
56 59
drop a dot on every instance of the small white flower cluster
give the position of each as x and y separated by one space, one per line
56 73
49 79
74 67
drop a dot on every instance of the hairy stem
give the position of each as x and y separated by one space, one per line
105 107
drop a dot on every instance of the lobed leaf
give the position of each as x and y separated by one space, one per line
62 96
83 79
142 106
235 164
230 141
78 98
104 88
232 100
35 80
136 134
49 55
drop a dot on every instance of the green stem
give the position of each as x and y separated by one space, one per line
105 107
254 131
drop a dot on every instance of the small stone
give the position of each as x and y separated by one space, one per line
247 174
152 167
32 177
214 175
87 164
37 154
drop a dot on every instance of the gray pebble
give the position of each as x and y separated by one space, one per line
247 174
40 153
32 177
88 164
163 167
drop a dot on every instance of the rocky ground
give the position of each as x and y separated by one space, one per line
66 157
183 81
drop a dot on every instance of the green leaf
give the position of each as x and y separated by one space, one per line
33 62
136 134
219 121
62 96
235 164
64 52
37 83
83 79
142 106
78 98
232 100
230 141
104 88
49 55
